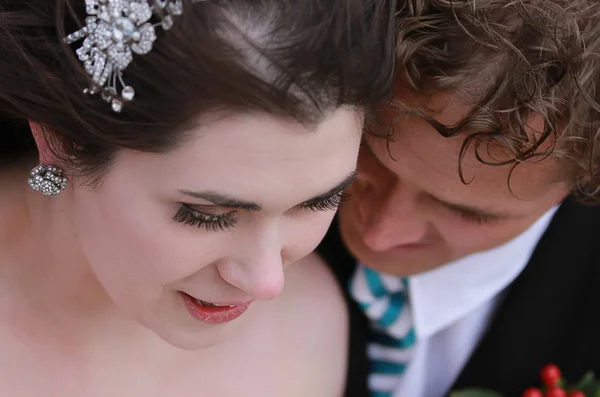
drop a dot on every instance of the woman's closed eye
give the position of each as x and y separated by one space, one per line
330 203
189 215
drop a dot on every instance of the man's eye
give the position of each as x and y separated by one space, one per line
474 217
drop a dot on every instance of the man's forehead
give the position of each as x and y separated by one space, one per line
451 109
447 107
419 154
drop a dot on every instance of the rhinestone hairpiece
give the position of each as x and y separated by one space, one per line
115 30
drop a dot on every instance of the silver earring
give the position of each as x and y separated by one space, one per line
47 179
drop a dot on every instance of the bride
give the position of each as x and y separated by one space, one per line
165 164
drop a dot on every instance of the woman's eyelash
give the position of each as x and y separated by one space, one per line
328 204
212 223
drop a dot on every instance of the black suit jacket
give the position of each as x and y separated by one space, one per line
551 312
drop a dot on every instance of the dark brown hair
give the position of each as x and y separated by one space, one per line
511 60
318 55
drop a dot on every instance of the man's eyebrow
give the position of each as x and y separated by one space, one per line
344 184
470 209
223 200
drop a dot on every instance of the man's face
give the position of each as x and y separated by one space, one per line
409 210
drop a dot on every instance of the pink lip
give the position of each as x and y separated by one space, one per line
214 314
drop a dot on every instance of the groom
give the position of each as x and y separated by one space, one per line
470 262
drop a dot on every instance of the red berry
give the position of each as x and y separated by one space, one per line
576 393
556 391
550 375
532 392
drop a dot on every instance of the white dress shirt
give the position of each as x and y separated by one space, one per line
452 306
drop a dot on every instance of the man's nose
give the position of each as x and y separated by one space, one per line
390 217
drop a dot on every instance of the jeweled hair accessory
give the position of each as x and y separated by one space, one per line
115 30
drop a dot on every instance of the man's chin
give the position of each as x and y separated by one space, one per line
397 265
401 261
405 261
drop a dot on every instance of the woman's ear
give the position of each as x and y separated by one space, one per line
41 142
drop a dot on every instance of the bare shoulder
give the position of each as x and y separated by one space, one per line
313 273
316 320
312 288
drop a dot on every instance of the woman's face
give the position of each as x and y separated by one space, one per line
218 219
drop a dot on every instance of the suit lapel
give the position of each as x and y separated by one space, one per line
543 316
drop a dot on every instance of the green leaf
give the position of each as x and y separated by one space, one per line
475 393
588 385
586 381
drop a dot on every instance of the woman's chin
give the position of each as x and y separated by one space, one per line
186 339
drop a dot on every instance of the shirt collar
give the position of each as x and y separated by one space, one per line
442 296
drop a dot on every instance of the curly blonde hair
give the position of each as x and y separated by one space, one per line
511 60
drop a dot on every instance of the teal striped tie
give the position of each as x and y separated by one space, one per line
383 299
